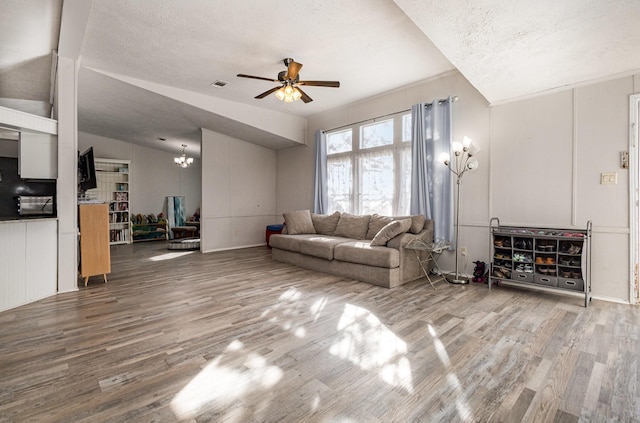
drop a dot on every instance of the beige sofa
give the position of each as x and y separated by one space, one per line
366 248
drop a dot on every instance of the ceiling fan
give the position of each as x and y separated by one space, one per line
289 80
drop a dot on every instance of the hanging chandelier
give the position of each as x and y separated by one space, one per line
183 161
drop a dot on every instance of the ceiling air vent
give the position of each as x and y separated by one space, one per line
219 83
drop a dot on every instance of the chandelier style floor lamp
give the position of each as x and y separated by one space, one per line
463 153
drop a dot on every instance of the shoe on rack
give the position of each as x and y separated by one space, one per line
576 275
574 249
550 260
539 260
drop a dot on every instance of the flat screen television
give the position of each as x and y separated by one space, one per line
87 171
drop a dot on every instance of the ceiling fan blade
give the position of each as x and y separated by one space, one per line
292 70
334 84
304 97
266 93
241 75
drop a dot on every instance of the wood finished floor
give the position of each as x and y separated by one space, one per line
234 337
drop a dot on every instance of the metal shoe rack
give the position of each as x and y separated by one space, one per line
555 260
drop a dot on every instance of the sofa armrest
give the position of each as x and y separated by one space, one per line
401 240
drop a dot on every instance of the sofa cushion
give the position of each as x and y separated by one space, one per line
362 252
351 226
325 224
391 230
299 222
320 245
287 242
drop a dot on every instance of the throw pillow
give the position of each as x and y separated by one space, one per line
325 224
299 222
351 226
378 222
417 223
391 230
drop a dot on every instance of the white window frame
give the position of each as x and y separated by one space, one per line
356 152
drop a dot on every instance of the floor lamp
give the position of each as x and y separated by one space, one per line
463 162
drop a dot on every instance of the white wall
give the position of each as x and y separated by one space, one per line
238 192
540 165
153 175
564 141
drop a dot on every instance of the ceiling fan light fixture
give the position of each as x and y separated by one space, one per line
289 79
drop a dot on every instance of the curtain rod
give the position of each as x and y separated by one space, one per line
453 99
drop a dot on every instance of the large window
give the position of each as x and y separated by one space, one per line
369 167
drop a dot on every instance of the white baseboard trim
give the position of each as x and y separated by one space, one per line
610 299
234 248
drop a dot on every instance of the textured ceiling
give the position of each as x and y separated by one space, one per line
191 44
505 48
509 49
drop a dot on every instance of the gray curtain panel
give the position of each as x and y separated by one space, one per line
431 181
321 195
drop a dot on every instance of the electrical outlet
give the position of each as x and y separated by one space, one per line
463 251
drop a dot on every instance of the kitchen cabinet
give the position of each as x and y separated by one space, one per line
41 258
28 258
38 156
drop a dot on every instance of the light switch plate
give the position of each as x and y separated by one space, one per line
608 178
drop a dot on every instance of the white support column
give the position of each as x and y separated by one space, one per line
67 174
75 15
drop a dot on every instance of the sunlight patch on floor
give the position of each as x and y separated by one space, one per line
170 256
462 406
229 377
290 312
370 345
